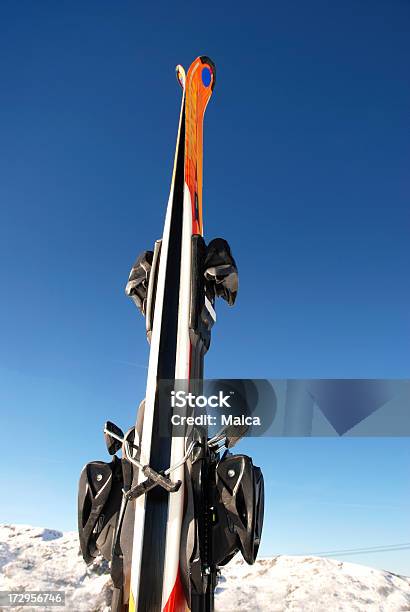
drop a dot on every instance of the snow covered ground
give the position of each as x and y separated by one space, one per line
42 559
310 584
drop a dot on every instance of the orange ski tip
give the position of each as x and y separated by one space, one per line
200 81
208 63
181 76
206 72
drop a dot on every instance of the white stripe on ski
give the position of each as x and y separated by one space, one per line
176 500
139 519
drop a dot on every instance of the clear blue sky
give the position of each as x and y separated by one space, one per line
306 174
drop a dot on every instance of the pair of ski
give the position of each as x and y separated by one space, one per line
172 509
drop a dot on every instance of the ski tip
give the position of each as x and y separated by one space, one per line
180 72
208 71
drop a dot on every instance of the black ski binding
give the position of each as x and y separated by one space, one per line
238 511
137 285
99 501
218 269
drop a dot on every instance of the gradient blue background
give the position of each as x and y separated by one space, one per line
306 174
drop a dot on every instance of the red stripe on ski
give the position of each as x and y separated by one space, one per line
176 601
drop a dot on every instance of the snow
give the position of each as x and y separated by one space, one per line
310 584
36 559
